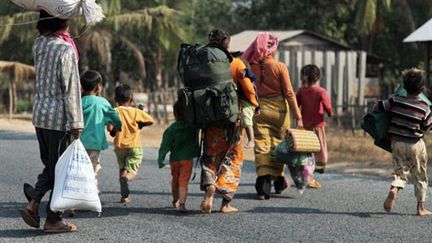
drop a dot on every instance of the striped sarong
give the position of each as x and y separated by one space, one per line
269 128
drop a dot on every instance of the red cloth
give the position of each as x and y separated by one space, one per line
264 45
64 35
313 102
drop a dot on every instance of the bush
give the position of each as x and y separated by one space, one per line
23 106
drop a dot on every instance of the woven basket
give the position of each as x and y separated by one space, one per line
303 141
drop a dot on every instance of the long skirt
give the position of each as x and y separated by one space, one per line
322 156
269 128
222 161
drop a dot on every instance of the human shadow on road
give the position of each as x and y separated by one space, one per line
152 193
20 233
10 209
292 210
117 211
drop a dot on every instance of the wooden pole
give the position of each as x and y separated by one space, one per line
427 62
362 77
10 99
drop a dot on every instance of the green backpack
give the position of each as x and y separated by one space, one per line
209 97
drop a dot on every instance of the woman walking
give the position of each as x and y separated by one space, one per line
274 92
223 152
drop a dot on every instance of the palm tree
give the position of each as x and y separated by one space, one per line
370 17
151 34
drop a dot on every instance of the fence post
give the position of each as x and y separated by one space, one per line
165 107
362 77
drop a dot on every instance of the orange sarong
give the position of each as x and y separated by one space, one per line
222 161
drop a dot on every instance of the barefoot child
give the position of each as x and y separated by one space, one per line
181 140
314 101
410 119
249 105
127 142
98 113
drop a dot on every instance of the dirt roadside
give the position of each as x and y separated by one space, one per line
338 144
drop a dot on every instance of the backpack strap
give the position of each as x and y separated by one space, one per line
201 153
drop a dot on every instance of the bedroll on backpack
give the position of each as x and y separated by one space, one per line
210 95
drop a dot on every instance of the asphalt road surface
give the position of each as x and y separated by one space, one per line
347 208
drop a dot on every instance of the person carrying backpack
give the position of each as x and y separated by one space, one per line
223 153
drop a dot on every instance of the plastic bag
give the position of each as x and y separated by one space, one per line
75 185
301 175
300 165
66 9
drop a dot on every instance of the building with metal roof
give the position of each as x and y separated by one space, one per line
348 74
424 35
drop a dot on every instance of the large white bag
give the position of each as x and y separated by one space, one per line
65 9
75 185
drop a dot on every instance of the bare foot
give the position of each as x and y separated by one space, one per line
182 208
207 203
227 208
390 200
424 212
175 204
250 145
125 200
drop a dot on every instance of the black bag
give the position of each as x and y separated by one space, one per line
210 95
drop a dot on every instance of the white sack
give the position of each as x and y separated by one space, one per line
65 9
75 185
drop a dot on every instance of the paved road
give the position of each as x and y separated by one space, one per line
346 209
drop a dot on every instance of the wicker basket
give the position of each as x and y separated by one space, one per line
304 141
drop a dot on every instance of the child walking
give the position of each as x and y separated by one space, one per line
314 102
127 141
181 140
98 113
410 119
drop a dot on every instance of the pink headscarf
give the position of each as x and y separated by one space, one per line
64 35
264 45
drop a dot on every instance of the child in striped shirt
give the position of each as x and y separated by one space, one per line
410 119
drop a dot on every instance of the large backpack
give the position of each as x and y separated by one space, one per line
210 96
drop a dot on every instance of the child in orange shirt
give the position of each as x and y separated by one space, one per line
127 142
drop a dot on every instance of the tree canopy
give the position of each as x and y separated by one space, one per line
139 39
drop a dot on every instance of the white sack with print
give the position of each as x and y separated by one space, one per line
75 185
66 9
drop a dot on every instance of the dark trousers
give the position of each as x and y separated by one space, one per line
51 146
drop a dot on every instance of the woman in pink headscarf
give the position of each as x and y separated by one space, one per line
276 99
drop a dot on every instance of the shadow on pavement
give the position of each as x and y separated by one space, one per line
152 193
291 210
9 135
128 211
20 233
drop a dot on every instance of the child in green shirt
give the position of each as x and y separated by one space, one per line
181 140
98 113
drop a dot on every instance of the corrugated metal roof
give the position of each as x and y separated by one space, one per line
242 40
424 33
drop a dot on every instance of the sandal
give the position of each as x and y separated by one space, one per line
30 217
59 227
29 191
